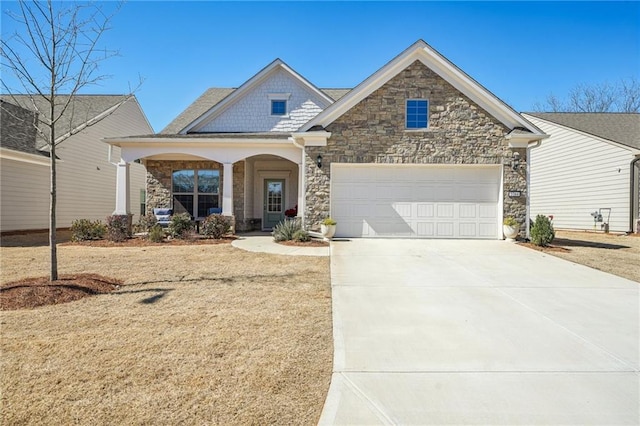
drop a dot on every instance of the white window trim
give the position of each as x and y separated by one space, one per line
279 97
416 129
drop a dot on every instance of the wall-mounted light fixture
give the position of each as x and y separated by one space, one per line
515 161
319 161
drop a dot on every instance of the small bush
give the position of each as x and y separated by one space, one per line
215 226
285 230
117 228
84 230
329 222
510 221
180 225
301 236
146 223
156 234
542 232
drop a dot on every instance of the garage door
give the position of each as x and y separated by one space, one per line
412 201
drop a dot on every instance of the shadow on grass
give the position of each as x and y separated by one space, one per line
579 243
160 293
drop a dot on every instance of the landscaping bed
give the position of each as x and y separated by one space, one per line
194 334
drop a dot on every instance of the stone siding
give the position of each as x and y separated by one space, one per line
373 131
159 174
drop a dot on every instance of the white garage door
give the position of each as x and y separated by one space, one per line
416 201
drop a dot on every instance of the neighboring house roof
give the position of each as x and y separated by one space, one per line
623 128
17 131
83 109
421 51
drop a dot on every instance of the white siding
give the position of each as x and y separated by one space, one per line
252 112
573 175
86 179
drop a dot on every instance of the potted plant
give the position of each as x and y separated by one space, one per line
328 228
510 228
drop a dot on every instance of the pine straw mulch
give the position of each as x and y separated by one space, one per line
144 242
549 248
29 293
312 243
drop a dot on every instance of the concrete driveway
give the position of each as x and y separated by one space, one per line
479 332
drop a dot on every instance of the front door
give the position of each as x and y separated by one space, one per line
273 203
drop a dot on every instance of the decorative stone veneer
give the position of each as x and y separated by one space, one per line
373 131
159 174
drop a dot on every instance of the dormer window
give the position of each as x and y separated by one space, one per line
278 107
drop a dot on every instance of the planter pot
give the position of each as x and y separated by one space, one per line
328 231
510 232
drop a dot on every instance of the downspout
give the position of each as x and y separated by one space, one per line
529 148
632 194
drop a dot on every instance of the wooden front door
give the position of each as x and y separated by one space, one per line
273 203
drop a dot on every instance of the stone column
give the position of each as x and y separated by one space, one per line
122 189
227 189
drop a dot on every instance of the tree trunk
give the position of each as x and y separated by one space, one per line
52 215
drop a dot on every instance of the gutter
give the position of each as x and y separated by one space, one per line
632 193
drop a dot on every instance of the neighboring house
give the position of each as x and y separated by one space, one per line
589 164
86 178
418 149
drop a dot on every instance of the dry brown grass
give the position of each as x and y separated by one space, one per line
613 253
203 334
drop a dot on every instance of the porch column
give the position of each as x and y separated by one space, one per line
122 189
301 191
227 189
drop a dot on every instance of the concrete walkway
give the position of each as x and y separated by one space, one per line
262 243
479 332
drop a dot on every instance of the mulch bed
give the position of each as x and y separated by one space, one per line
312 243
143 242
31 293
550 247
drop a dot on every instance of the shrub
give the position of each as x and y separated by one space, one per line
215 226
301 235
156 234
146 223
180 225
84 230
117 228
510 221
329 222
542 232
285 230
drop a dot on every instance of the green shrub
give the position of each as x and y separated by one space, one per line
156 234
84 230
542 232
145 223
117 228
215 226
285 230
510 221
301 236
180 226
329 222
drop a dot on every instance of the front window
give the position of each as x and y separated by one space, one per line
195 191
417 114
278 107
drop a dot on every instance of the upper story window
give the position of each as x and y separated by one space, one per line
278 107
417 114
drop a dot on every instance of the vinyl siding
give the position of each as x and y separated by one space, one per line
573 174
86 179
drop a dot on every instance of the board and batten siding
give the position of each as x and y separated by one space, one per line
574 174
86 183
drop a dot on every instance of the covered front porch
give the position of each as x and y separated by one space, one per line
253 180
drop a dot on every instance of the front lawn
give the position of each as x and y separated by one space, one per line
201 334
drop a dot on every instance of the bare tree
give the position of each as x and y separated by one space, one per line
54 52
603 97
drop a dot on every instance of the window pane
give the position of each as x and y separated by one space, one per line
183 203
417 114
205 202
208 181
278 107
183 181
274 197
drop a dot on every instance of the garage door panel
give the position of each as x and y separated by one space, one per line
416 201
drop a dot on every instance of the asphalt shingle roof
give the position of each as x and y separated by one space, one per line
17 131
623 128
212 97
82 109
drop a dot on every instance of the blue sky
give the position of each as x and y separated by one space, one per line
521 51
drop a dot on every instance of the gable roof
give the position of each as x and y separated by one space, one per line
623 128
83 108
247 86
421 51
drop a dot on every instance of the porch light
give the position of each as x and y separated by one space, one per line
319 161
515 161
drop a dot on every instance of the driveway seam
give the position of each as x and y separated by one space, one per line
363 396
